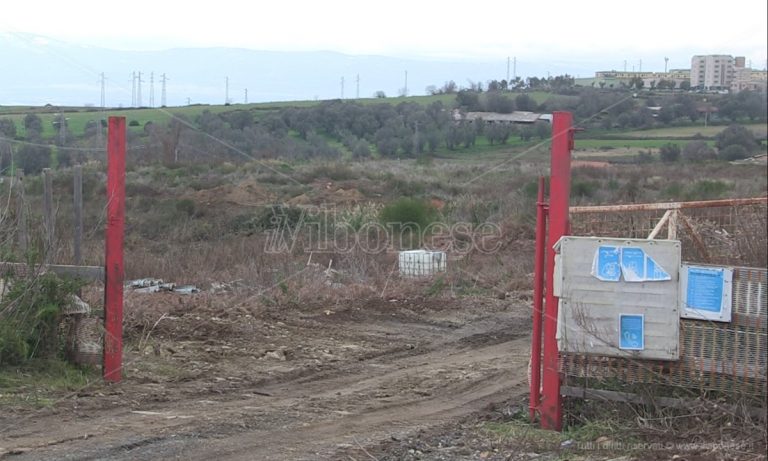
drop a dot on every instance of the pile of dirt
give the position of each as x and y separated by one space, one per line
326 193
245 193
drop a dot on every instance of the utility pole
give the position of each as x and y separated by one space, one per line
133 89
357 86
405 89
189 101
514 68
342 87
640 68
625 65
138 93
246 96
151 89
103 92
666 61
507 69
226 91
162 94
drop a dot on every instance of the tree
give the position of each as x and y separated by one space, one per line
33 125
685 85
737 135
543 130
33 158
380 94
469 100
669 152
525 102
7 128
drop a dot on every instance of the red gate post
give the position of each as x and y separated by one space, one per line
559 198
538 298
113 270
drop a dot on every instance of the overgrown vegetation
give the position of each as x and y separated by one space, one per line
31 314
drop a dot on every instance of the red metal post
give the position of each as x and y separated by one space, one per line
559 198
538 293
113 270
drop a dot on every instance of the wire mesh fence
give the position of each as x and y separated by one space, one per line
727 358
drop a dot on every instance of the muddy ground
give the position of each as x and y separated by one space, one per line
303 381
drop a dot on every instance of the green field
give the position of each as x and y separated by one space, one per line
760 130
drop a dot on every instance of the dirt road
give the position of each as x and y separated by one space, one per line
306 382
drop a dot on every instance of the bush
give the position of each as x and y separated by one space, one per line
706 190
698 151
669 152
31 313
406 211
734 152
186 206
737 135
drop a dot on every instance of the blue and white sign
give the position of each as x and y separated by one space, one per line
706 292
632 332
611 263
605 265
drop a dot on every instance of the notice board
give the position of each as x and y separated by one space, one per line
618 297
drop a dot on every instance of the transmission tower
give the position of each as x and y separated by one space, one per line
162 93
342 87
151 89
133 89
138 92
226 91
357 86
246 96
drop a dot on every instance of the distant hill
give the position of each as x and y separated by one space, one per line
38 71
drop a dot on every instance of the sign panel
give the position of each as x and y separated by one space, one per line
618 297
632 332
706 293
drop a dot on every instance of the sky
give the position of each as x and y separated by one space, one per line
558 30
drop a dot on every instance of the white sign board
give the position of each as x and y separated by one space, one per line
705 292
618 297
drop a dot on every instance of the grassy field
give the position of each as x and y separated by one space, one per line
760 130
78 117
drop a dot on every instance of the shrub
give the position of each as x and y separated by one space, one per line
669 152
706 190
698 151
186 206
734 152
31 313
408 211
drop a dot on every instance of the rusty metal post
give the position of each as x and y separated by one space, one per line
538 294
559 198
113 270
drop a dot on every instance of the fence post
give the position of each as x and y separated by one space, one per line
113 271
48 215
559 198
538 294
78 208
22 224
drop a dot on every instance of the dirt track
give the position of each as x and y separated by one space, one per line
307 382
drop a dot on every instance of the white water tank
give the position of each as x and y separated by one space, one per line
418 263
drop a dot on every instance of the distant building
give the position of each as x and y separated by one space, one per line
517 116
615 79
713 72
